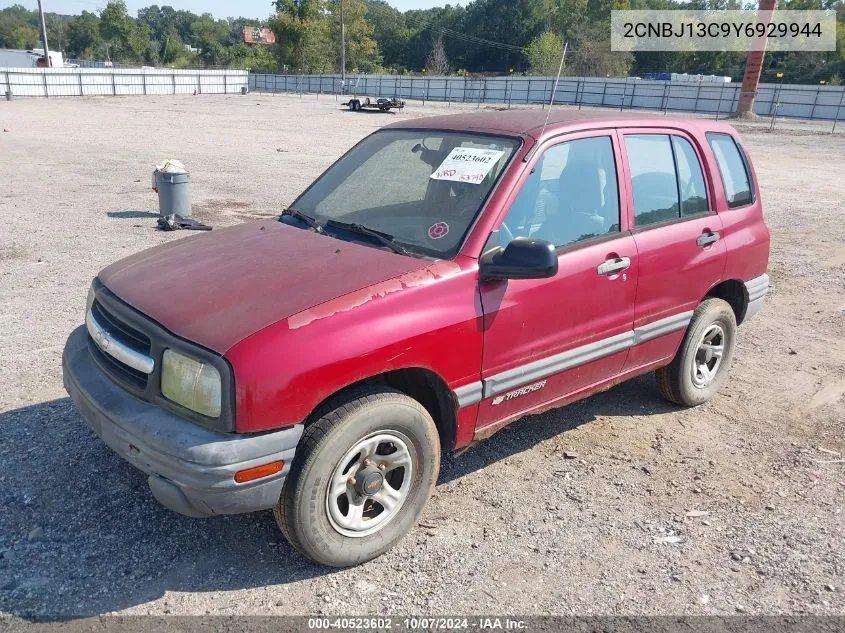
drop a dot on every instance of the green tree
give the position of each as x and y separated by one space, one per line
592 57
57 28
514 23
172 47
83 38
302 35
424 27
544 53
140 46
252 57
23 36
570 14
390 32
11 20
210 36
115 29
361 49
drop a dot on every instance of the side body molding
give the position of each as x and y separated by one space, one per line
537 370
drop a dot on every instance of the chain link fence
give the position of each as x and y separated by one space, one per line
719 99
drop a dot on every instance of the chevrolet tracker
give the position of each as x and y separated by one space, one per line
444 278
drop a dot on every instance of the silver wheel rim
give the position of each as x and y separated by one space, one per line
357 507
708 356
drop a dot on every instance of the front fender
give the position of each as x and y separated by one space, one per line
428 319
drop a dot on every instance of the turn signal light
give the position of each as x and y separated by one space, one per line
257 472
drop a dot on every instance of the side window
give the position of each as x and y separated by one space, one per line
571 195
690 178
653 177
733 170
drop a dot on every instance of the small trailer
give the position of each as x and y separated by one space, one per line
356 104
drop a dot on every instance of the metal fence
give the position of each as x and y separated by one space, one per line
718 99
79 82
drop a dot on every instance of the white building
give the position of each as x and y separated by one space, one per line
13 58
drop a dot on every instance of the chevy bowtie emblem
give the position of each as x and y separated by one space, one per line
102 340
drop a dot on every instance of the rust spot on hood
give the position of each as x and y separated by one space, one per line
358 298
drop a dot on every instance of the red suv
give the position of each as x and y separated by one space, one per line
444 278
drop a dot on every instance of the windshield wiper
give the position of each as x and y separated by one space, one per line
307 219
382 238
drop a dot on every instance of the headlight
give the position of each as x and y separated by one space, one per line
89 301
192 384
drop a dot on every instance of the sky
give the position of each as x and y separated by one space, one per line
219 8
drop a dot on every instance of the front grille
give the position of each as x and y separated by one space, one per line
130 336
122 373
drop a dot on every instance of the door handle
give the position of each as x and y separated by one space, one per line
613 266
707 238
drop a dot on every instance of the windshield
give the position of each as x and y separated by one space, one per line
422 188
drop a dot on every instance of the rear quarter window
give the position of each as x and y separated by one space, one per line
733 168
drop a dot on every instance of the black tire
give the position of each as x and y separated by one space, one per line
680 382
302 512
357 105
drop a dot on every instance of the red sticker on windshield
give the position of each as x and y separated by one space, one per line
436 231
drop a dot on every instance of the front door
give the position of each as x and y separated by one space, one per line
546 339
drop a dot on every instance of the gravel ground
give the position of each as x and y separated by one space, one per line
749 489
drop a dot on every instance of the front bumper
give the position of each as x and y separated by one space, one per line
191 469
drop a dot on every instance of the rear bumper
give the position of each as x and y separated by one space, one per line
191 469
757 289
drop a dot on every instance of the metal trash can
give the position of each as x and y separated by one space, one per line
244 90
8 95
171 181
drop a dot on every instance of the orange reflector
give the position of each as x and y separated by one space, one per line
257 472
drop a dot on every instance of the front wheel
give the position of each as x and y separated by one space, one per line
360 478
700 367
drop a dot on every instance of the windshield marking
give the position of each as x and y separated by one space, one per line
467 164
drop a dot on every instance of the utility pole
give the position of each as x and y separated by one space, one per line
44 36
754 66
342 48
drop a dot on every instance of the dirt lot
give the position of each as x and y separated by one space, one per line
513 527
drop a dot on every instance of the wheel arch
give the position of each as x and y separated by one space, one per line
734 292
423 385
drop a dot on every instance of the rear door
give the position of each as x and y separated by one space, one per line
738 201
545 339
677 234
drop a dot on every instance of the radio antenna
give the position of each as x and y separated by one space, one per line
554 90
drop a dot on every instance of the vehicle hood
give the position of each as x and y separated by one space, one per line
217 288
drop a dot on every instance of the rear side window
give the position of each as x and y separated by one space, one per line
667 178
653 177
690 178
733 170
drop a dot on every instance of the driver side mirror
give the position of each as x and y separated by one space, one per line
523 258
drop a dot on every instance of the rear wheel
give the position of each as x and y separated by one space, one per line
360 478
701 366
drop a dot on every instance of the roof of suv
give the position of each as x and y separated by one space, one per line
531 121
